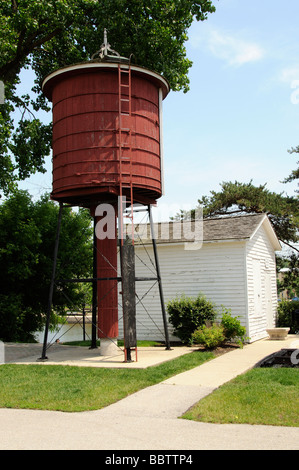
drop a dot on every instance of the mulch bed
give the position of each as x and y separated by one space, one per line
282 358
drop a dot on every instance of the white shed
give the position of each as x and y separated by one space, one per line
235 267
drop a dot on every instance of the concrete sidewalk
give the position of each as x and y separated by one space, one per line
61 354
147 420
226 367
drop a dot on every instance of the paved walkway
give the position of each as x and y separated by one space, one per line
83 356
148 420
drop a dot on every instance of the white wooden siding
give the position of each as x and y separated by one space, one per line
260 251
217 270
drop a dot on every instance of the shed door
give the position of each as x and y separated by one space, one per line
257 285
268 298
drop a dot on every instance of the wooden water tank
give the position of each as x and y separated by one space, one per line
97 122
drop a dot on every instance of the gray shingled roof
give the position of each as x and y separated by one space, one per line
216 229
231 228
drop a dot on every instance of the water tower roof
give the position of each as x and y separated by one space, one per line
96 66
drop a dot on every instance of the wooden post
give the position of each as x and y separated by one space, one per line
128 296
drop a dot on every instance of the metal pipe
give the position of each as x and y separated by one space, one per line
83 314
94 291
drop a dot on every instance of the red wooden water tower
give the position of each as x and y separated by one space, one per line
107 146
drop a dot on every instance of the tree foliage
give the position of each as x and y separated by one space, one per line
245 198
27 238
238 198
295 173
290 279
47 34
287 315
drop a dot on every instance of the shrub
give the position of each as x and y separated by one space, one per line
229 329
286 315
186 314
233 330
210 337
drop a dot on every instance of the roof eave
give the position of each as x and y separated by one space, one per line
265 222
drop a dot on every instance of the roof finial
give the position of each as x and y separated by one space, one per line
105 48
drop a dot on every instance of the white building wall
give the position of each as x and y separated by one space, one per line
217 270
66 332
261 285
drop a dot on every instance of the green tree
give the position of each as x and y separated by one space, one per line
238 198
27 236
290 278
295 173
245 198
47 34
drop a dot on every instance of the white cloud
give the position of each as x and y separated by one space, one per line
232 49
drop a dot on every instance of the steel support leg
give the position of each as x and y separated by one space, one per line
50 299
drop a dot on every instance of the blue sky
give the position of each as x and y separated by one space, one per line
240 116
242 113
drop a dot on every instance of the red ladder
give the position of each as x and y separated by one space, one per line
125 139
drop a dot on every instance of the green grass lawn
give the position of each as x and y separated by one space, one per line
70 388
261 396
